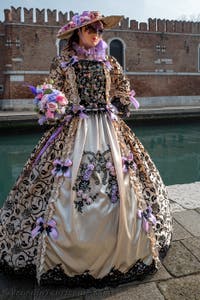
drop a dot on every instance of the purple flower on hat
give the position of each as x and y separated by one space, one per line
76 19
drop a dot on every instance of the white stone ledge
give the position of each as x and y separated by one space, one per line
168 101
21 72
164 73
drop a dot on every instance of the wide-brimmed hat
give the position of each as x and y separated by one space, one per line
87 17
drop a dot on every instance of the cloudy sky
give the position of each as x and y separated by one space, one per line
140 10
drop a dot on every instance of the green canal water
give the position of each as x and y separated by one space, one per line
174 148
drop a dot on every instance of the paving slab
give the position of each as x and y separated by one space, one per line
186 195
59 293
190 220
141 292
193 245
179 233
16 288
175 207
161 274
198 209
185 288
180 261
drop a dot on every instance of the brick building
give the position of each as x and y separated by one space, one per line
161 57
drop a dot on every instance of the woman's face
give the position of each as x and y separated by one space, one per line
90 35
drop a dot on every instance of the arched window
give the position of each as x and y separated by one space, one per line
199 58
117 50
62 45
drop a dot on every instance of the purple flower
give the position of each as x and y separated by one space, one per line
91 167
42 120
114 193
113 198
33 89
88 172
111 168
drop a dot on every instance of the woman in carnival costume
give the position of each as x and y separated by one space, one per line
89 207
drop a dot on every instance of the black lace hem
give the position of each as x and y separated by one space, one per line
56 276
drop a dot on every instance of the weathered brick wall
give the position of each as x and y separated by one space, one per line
165 85
159 46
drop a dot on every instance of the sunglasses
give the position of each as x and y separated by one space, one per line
94 29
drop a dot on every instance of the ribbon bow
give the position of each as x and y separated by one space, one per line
147 217
133 100
111 109
79 109
49 226
62 168
127 162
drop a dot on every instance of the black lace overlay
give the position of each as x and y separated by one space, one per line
56 276
95 170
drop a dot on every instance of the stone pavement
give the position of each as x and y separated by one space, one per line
177 279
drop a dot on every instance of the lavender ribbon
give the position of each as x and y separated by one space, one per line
50 140
50 228
111 109
133 100
147 218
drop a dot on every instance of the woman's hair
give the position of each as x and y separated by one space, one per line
73 39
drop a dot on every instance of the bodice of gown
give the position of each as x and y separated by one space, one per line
91 83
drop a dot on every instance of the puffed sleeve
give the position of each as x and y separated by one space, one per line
119 89
56 75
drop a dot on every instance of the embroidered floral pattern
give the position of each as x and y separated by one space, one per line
87 182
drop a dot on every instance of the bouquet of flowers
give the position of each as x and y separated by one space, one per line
50 103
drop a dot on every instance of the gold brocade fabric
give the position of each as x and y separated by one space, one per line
104 207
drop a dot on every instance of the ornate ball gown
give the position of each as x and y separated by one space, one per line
89 207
